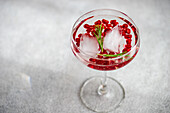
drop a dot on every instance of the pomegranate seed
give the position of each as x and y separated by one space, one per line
104 52
86 26
99 61
128 36
75 48
79 35
91 66
78 40
78 44
88 30
116 23
121 26
128 41
136 36
106 30
111 53
99 56
128 46
103 34
91 26
105 63
92 60
128 30
125 25
133 28
124 50
123 33
105 21
124 29
109 25
113 21
128 49
111 62
98 22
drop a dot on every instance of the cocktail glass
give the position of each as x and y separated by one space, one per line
105 40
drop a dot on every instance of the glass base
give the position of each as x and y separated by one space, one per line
105 102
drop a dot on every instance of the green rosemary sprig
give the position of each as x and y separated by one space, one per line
99 30
108 55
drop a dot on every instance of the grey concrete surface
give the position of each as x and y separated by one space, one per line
39 73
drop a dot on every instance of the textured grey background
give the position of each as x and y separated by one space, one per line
39 74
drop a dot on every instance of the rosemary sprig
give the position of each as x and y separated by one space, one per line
108 55
99 30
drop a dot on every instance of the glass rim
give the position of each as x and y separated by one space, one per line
110 58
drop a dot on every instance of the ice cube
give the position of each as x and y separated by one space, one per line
113 40
89 45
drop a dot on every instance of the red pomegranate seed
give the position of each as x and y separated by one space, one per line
109 25
99 56
103 34
80 35
124 50
121 26
128 49
99 62
105 63
105 21
88 30
91 26
128 36
91 66
92 60
124 29
106 30
128 30
123 33
128 41
104 52
78 44
111 62
75 48
133 28
77 39
125 25
86 26
98 22
128 46
111 53
116 23
120 65
113 21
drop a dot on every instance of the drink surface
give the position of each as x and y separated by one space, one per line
105 42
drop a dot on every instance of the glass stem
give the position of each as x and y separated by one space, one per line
102 90
105 78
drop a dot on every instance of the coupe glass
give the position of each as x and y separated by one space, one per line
104 29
